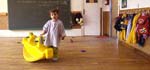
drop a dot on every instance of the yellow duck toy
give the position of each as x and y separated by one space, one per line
34 49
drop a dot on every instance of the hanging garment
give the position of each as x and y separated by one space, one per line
132 36
129 26
141 41
148 14
122 34
124 22
143 27
117 25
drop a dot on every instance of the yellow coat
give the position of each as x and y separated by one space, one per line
132 36
122 34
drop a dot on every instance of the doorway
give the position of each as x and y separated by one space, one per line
91 17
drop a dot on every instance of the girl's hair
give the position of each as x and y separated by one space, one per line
54 11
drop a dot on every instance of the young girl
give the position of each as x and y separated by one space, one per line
54 32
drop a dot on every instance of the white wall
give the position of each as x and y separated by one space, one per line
132 4
76 5
100 3
144 3
105 7
3 6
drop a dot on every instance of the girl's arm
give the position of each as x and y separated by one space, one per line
43 32
63 34
45 28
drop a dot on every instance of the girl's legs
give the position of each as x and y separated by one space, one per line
55 53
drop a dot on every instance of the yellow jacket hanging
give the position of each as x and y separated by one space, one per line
122 34
132 36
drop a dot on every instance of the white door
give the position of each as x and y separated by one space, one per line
91 18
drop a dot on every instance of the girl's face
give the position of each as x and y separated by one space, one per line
54 15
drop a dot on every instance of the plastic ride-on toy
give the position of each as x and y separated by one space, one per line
34 49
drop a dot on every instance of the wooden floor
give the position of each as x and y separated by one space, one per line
76 53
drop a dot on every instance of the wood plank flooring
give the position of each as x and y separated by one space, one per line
76 53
